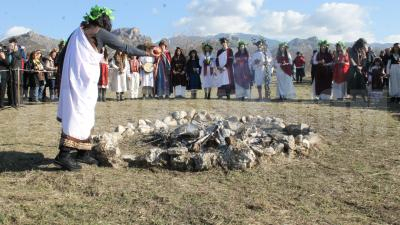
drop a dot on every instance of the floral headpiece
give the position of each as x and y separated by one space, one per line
284 44
241 43
205 45
96 12
342 45
323 43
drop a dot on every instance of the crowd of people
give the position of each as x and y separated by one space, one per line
343 72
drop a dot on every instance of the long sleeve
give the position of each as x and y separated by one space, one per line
107 38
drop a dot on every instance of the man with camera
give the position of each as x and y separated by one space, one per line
3 74
14 80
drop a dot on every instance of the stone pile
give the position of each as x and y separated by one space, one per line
198 141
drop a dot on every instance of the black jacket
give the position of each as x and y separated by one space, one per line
4 65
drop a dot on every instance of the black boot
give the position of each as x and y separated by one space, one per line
209 95
121 96
117 96
103 94
65 160
84 157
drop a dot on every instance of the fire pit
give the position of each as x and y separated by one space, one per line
198 141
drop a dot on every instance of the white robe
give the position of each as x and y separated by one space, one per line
285 87
78 96
222 76
260 72
208 80
147 78
118 79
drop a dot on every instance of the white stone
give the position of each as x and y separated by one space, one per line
306 144
160 125
183 121
128 133
142 123
120 129
191 114
172 123
270 151
130 126
205 161
145 129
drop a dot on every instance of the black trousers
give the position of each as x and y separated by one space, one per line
299 74
14 89
3 85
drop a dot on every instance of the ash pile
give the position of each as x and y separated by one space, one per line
199 141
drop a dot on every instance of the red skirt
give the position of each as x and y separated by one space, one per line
103 80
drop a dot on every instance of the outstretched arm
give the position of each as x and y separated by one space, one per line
111 40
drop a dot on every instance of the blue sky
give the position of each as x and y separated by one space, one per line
284 20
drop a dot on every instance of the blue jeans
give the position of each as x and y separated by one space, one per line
34 93
40 91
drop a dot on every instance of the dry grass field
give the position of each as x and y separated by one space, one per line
353 179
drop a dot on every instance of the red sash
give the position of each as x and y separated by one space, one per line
287 68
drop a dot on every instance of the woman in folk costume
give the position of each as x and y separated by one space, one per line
284 73
103 79
393 68
341 66
356 82
322 84
80 61
207 63
178 69
119 70
376 76
193 71
261 62
133 77
224 63
147 68
242 73
163 72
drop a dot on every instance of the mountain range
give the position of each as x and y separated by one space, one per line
32 40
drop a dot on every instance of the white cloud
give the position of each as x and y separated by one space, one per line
395 38
332 21
14 31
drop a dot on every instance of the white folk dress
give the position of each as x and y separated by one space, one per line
260 72
208 80
222 76
78 96
285 87
147 78
118 79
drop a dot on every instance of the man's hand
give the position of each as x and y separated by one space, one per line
2 56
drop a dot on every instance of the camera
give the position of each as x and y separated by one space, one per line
3 49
